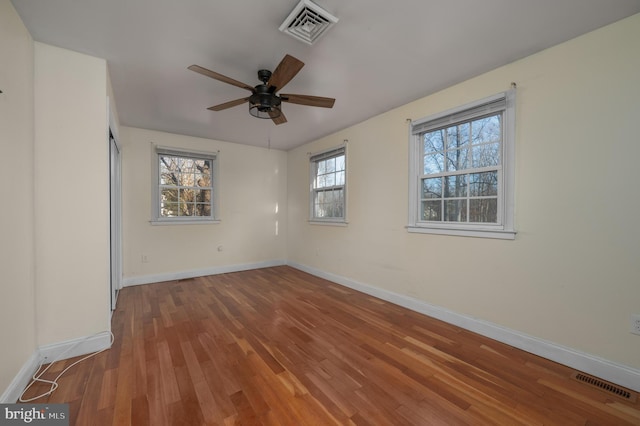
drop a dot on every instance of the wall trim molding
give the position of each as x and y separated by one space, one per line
75 347
619 374
21 380
215 270
53 352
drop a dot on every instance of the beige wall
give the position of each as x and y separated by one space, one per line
17 310
71 195
252 209
572 274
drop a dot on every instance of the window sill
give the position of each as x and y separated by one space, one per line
184 222
328 222
477 233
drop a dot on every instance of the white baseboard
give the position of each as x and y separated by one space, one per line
21 380
215 270
53 352
75 347
619 374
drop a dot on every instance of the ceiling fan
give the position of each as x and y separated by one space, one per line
264 102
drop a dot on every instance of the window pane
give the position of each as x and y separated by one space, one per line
455 186
329 197
431 210
169 209
483 184
339 210
328 204
340 163
486 155
202 195
484 210
330 179
202 179
168 163
187 194
486 129
202 210
181 163
458 136
187 179
433 163
168 178
185 209
432 188
434 141
458 159
455 210
203 166
330 165
322 167
340 178
169 195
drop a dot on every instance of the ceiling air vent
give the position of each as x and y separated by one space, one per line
307 22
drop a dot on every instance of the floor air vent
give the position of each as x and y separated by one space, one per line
605 386
307 22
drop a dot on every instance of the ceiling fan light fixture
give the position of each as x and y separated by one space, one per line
265 106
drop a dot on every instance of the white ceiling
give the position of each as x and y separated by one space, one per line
380 55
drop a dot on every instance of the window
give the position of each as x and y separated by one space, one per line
462 170
184 186
328 186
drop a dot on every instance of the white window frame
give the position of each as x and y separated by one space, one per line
313 164
502 102
156 218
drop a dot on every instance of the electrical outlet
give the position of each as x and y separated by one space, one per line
635 324
144 258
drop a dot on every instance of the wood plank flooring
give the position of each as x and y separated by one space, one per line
277 346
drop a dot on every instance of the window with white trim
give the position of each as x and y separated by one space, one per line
328 185
184 186
461 174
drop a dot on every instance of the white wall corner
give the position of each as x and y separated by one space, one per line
622 375
21 380
51 353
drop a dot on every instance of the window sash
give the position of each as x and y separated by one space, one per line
464 118
337 205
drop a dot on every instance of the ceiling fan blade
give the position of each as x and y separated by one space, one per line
316 101
285 71
281 119
220 77
229 104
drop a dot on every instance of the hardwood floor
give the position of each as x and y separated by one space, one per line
277 346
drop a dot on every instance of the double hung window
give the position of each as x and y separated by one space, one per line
462 170
328 186
184 186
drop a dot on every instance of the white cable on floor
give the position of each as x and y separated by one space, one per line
54 383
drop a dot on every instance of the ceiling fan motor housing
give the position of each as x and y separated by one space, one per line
263 103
